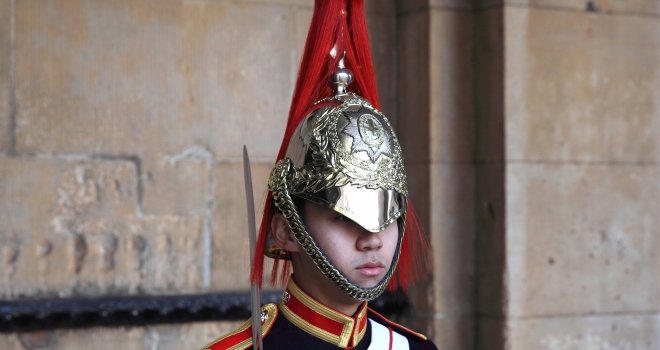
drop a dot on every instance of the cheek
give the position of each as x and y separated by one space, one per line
390 237
324 236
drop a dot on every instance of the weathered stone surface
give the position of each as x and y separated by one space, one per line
240 75
491 333
488 91
104 84
382 35
73 227
451 92
413 86
39 195
610 332
435 86
490 247
231 255
447 216
607 6
453 333
179 184
380 7
187 77
5 74
162 337
408 6
299 3
452 238
582 239
570 98
303 18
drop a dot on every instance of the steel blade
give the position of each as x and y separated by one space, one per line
252 227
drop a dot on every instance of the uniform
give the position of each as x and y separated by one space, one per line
300 322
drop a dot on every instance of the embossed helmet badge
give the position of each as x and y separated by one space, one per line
368 133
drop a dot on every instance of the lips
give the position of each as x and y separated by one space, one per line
370 269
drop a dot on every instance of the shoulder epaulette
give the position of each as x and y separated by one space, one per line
241 338
395 326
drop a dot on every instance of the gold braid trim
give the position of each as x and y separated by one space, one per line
271 311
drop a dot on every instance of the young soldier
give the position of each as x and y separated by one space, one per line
337 208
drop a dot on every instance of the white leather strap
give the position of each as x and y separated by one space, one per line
380 338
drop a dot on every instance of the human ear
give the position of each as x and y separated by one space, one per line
282 234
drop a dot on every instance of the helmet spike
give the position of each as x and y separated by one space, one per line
341 78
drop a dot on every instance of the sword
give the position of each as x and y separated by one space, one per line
254 288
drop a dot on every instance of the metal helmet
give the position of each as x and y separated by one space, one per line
344 156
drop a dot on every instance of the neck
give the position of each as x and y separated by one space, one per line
314 283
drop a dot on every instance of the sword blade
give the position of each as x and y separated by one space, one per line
254 288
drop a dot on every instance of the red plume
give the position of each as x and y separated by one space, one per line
415 261
338 26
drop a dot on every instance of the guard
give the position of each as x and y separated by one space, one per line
337 211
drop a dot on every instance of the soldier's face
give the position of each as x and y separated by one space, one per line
364 257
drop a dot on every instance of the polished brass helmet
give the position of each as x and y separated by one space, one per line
344 155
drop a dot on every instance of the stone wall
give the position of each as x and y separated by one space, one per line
121 133
582 124
529 129
569 230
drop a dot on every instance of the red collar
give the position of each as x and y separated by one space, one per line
321 321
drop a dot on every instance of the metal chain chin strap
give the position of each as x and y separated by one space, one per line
282 199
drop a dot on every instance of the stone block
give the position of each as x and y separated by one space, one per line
648 7
103 85
407 7
581 86
303 19
603 332
451 125
167 255
297 3
178 184
582 239
136 78
231 255
453 333
380 7
488 87
5 75
162 337
452 233
443 197
53 194
413 87
491 331
410 6
490 241
419 185
382 35
71 227
241 68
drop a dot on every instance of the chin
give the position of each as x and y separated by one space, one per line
369 283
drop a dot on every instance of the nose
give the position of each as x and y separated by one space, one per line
369 241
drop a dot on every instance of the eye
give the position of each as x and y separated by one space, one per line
343 218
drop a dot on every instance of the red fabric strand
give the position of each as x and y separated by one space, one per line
391 337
